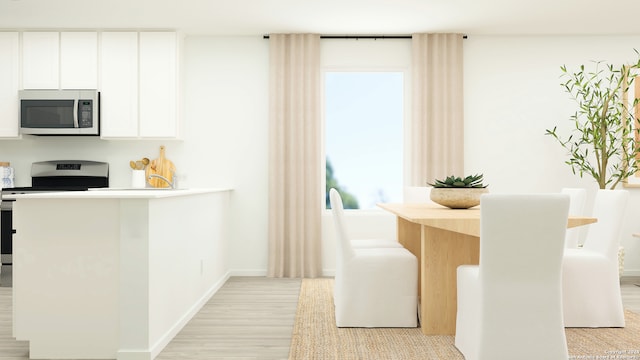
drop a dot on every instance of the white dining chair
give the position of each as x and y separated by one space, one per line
591 285
577 202
337 208
339 222
510 306
374 287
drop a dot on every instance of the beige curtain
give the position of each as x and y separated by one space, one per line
437 124
295 199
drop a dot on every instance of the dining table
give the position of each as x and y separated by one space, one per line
442 239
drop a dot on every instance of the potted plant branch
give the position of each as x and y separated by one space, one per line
603 141
458 192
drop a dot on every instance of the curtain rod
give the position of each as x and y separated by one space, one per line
364 37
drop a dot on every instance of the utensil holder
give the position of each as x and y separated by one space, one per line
138 179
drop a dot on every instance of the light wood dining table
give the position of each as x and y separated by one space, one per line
442 239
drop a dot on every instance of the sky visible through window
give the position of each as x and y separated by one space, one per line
363 120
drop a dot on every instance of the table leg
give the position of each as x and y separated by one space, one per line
442 252
409 237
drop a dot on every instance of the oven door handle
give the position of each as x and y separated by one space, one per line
76 106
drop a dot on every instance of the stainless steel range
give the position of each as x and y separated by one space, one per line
50 176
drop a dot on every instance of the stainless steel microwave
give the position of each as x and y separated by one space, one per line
60 112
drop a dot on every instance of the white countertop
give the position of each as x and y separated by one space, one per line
117 193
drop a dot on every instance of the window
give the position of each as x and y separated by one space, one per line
364 114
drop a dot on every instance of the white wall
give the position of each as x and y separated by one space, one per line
225 139
512 94
226 107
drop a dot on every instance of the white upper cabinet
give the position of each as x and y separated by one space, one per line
119 84
9 71
135 72
40 60
138 86
78 60
158 82
53 60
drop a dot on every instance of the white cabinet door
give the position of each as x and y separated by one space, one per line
119 84
78 60
9 85
40 60
158 81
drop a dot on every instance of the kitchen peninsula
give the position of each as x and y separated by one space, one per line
114 274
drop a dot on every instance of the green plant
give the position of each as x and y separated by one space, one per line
349 201
602 143
471 181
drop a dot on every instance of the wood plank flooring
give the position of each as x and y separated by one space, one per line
630 293
249 318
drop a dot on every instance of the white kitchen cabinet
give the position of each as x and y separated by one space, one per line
40 60
79 60
125 289
59 60
9 70
135 72
158 81
119 84
138 86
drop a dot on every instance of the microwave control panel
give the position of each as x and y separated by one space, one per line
85 113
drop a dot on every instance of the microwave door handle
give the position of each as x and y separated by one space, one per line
76 105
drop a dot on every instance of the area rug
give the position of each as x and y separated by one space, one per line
315 336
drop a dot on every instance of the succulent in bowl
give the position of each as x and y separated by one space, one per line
471 181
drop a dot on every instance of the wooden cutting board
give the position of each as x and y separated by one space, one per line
160 166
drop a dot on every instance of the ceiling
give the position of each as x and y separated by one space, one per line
330 17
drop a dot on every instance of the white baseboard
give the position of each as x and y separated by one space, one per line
631 272
238 272
133 355
332 272
175 329
246 272
329 272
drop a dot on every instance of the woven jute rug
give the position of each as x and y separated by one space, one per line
315 336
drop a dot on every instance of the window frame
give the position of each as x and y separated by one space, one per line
367 55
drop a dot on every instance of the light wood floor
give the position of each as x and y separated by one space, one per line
249 318
631 293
